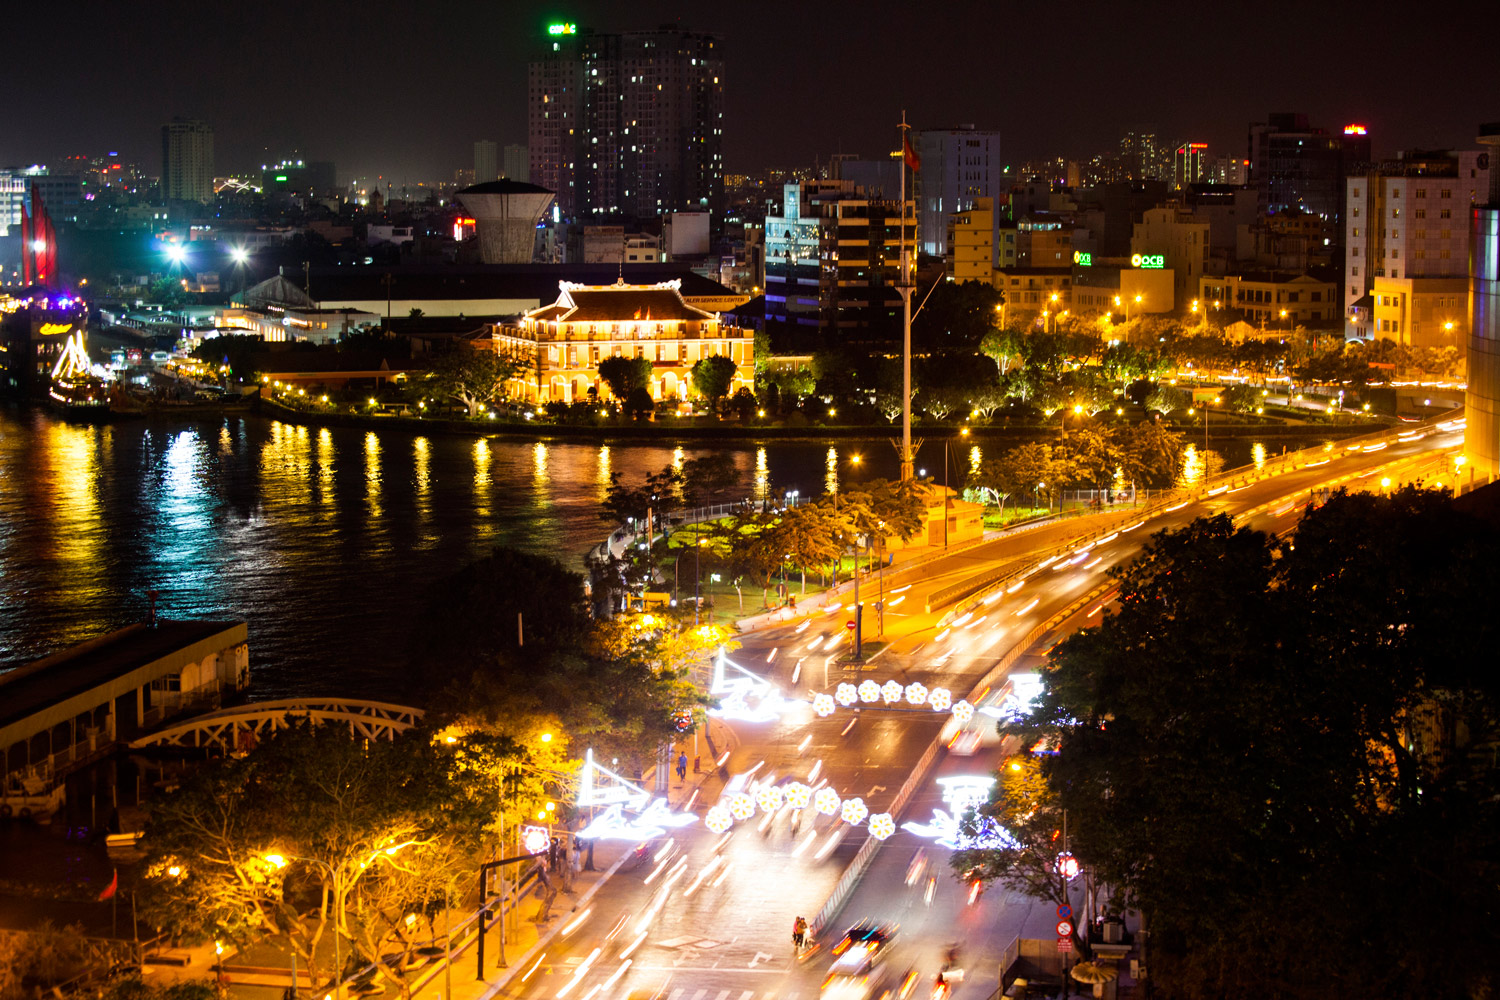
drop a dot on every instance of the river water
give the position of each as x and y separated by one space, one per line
323 539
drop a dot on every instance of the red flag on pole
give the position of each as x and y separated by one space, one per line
109 890
910 155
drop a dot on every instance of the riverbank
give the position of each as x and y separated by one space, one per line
677 429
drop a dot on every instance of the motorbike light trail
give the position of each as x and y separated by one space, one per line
803 745
532 971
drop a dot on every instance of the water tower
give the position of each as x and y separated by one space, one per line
505 216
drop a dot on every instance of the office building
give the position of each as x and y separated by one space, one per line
516 165
958 165
1406 264
1482 398
628 124
1189 164
832 258
971 242
304 178
1140 156
14 185
1276 301
1296 167
1172 238
486 165
187 161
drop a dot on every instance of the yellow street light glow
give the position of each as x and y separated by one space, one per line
547 737
855 459
551 806
275 860
174 871
1386 482
964 432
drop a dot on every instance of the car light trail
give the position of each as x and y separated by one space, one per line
1028 607
806 842
902 590
578 921
1178 507
616 977
1097 561
1015 586
803 627
797 670
633 946
1132 527
803 745
813 774
833 841
897 601
579 973
771 658
1108 538
532 971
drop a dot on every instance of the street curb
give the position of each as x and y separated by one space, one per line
525 960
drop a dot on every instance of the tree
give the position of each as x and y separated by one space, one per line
1087 456
1150 454
711 378
1016 839
296 838
168 292
639 403
809 535
1167 399
707 479
473 377
625 375
1260 719
1004 347
1025 470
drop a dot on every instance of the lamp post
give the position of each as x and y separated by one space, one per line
963 432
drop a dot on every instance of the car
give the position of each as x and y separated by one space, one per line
874 937
965 742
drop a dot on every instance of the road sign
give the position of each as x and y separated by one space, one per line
1064 928
1064 944
1064 911
849 624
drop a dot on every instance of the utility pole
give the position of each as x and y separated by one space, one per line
904 286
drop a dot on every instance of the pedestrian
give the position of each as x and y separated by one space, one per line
552 855
566 867
682 767
799 933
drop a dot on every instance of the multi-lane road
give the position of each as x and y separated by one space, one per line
713 920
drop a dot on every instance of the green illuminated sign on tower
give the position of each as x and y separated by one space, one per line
562 29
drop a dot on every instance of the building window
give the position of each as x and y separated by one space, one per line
1356 194
1354 272
1395 213
1355 232
1356 213
1446 213
1421 213
1421 192
1354 252
1395 253
1395 192
1445 193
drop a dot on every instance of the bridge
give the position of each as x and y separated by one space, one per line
242 727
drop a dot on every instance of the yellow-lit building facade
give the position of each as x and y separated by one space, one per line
971 242
559 346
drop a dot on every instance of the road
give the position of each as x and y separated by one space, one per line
714 922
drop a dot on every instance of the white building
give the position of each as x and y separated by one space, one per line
958 165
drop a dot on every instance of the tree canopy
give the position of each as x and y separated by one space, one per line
473 377
1281 751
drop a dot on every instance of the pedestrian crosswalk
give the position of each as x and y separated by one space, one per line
687 993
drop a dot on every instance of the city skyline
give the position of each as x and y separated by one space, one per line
348 91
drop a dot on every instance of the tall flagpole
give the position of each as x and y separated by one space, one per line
904 286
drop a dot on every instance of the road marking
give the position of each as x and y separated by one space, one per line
723 995
875 788
700 994
675 994
759 970
760 956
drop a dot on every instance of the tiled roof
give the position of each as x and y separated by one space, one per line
631 302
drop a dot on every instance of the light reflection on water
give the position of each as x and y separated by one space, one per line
324 539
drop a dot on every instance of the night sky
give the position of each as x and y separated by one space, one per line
404 89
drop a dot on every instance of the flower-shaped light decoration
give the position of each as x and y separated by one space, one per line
962 712
797 795
854 812
846 695
939 699
823 705
768 798
741 806
869 691
882 825
891 692
718 819
826 801
916 693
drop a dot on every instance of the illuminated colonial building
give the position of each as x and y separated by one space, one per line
560 345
